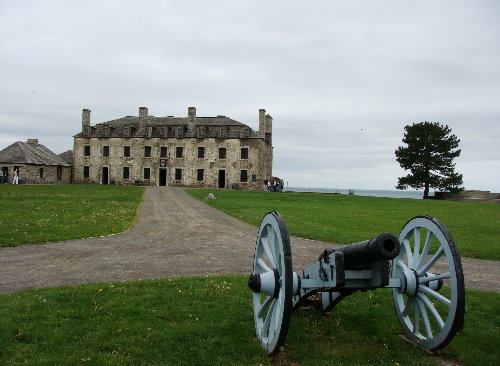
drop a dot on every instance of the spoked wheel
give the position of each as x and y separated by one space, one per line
272 282
430 313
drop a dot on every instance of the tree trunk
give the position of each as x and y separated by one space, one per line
426 190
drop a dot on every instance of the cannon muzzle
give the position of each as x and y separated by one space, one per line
361 255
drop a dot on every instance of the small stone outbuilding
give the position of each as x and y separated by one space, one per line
35 164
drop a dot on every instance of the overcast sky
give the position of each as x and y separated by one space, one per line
340 78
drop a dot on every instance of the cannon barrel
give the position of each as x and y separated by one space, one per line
360 255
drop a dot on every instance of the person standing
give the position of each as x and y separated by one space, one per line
1 176
16 178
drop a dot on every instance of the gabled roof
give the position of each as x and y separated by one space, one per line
165 127
173 121
67 156
30 152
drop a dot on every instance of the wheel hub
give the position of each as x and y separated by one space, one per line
267 283
409 282
434 284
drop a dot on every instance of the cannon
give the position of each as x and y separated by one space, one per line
422 268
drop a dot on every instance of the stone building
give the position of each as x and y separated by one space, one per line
35 164
192 151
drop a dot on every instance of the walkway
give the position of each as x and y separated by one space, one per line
175 235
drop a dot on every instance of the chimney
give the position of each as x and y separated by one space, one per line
143 117
191 118
32 141
268 129
262 122
85 118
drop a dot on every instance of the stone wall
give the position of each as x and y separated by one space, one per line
475 195
258 164
31 174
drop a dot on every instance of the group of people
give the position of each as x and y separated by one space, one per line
273 185
4 177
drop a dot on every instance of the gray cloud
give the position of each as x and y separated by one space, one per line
341 79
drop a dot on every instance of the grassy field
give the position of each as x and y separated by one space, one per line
345 219
37 214
209 321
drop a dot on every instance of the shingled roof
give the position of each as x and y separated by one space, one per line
30 152
173 121
67 156
166 127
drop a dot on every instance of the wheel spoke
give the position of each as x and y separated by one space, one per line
264 306
425 250
402 264
406 244
269 317
435 295
416 319
275 247
274 321
263 265
416 248
271 239
432 261
433 310
423 280
407 306
267 250
425 317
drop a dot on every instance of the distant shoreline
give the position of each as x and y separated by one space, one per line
359 192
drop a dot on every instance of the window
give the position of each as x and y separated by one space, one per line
105 151
200 175
163 152
126 172
147 173
222 153
244 133
86 150
86 172
200 132
178 174
179 152
41 172
244 176
147 152
201 152
126 151
244 153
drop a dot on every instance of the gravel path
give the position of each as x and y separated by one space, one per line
175 236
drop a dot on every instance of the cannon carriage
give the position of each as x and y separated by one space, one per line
421 267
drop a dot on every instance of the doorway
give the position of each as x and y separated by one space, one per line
5 176
222 178
105 175
163 177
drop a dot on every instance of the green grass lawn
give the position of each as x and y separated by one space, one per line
209 321
346 219
37 214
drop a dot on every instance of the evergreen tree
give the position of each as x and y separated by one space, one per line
429 156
